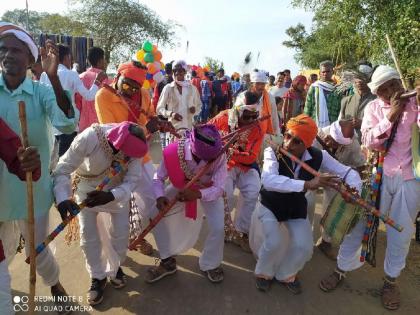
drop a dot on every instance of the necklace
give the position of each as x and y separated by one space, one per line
181 156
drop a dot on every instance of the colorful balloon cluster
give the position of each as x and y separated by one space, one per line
150 57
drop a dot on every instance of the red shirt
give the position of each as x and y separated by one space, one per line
196 82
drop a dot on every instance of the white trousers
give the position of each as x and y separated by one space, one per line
104 242
144 194
400 200
249 185
175 233
282 248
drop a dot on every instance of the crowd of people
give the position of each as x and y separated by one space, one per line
278 140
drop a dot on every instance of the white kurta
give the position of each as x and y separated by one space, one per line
105 242
282 249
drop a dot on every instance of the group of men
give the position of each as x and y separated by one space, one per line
105 164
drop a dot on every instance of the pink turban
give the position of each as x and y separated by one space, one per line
206 142
123 140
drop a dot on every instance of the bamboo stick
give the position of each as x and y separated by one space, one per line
396 62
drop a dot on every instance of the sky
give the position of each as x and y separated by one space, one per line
222 29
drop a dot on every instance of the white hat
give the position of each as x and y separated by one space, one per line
258 76
21 34
381 75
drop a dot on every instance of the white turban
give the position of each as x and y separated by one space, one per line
258 77
237 110
337 134
21 34
381 75
180 63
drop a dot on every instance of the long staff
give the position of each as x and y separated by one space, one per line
345 193
31 215
133 245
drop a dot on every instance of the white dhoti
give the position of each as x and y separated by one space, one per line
175 233
281 248
400 200
144 194
249 185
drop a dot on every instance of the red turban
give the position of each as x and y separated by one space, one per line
129 70
299 79
303 127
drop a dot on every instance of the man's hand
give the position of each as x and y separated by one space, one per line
152 125
29 159
177 117
98 198
356 123
397 106
188 195
166 126
162 203
100 77
324 180
192 110
67 207
49 58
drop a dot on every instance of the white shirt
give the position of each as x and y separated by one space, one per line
272 181
71 82
278 92
87 157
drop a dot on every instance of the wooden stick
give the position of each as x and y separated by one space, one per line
239 130
133 245
31 215
396 62
343 191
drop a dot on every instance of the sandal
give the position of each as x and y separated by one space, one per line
331 282
165 268
215 275
391 298
145 248
295 287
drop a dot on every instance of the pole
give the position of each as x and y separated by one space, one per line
396 62
31 216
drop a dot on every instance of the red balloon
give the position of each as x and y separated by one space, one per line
158 55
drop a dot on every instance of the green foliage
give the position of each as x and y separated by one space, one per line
18 17
348 30
213 64
58 24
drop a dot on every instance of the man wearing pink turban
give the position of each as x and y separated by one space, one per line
92 156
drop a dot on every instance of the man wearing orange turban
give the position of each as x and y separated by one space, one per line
283 205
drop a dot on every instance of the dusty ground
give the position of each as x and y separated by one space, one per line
188 292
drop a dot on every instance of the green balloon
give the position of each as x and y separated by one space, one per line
148 58
147 46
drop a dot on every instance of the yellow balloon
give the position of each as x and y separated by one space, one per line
146 84
140 55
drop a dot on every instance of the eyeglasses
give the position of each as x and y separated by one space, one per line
292 139
128 87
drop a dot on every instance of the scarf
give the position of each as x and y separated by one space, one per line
321 103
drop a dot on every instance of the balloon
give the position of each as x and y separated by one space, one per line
146 84
163 72
157 66
147 46
158 55
158 77
140 55
151 67
154 49
162 65
148 57
194 68
149 76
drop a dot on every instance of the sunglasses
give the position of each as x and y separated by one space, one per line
292 139
127 87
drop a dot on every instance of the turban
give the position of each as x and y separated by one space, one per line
303 127
206 142
337 134
382 75
258 76
131 71
366 69
122 139
299 79
21 34
180 63
237 110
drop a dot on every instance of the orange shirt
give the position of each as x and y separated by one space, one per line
250 145
110 108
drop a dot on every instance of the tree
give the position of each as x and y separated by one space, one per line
213 64
18 17
120 26
59 24
348 30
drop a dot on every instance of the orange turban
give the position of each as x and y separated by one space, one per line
303 127
129 70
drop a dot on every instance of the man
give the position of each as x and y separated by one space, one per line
178 231
45 106
354 105
180 100
195 80
294 99
322 101
341 140
243 170
18 161
71 82
270 82
399 192
159 88
287 78
206 95
279 89
222 92
283 201
92 157
128 101
266 104
96 58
